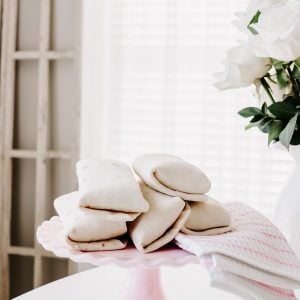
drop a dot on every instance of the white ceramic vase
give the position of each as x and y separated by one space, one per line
287 211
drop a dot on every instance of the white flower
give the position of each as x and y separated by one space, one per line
242 68
279 32
244 18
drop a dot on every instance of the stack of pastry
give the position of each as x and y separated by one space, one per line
110 205
176 192
95 217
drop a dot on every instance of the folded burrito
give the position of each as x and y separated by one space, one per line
85 231
160 225
207 218
172 176
109 185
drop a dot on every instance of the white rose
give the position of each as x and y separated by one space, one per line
244 18
242 68
279 32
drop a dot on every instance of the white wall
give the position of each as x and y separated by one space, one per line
95 81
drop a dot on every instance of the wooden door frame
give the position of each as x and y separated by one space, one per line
4 289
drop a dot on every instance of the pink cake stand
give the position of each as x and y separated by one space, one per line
144 269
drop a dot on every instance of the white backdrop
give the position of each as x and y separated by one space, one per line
147 86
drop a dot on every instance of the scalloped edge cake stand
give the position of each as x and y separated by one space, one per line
143 282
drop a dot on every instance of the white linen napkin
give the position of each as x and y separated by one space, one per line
159 226
172 176
85 231
109 185
207 218
254 260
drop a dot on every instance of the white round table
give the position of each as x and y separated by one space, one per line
107 283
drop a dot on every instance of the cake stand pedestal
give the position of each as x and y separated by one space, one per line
144 269
144 284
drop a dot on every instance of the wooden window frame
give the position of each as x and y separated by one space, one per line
9 57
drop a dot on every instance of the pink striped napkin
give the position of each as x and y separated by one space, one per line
254 260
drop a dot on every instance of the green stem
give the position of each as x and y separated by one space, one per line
294 82
298 84
267 88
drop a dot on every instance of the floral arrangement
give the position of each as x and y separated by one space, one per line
268 58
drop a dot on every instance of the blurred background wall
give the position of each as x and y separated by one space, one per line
148 87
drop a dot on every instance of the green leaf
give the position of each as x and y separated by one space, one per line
282 78
252 30
264 108
264 125
296 72
286 134
296 138
279 64
257 118
274 130
282 110
254 20
294 101
297 62
251 125
250 112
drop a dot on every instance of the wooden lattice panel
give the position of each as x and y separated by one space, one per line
54 149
